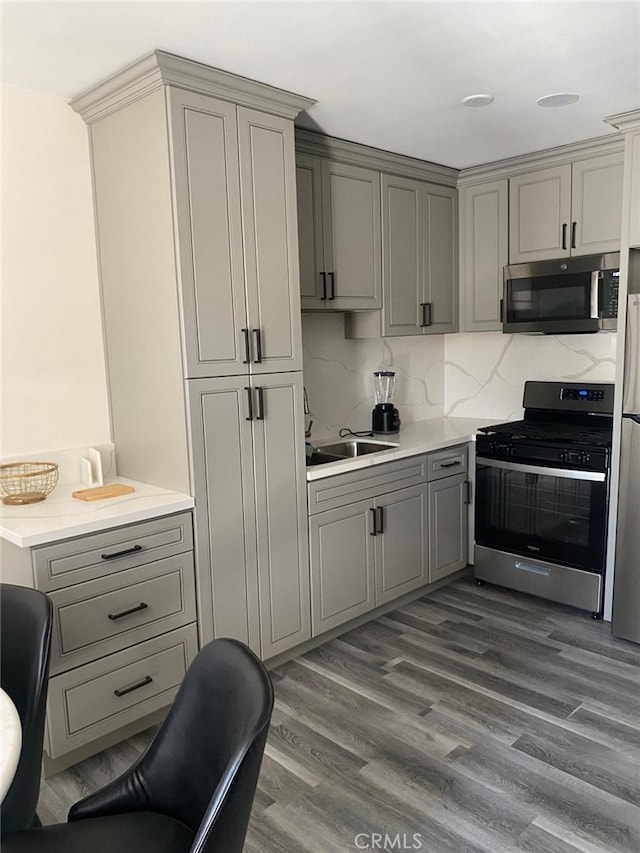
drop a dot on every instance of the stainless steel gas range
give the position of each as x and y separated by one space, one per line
542 488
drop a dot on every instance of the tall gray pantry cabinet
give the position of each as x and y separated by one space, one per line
194 186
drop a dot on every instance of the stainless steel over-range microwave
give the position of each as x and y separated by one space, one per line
562 297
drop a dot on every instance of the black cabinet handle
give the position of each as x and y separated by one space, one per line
564 235
136 609
451 464
247 346
259 392
121 553
258 334
574 226
380 519
124 690
427 314
502 317
422 315
373 531
323 276
249 403
332 282
467 497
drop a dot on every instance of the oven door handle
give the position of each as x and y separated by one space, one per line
595 476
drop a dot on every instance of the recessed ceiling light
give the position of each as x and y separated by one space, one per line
561 99
477 100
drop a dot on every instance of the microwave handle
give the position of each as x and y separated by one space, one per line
595 295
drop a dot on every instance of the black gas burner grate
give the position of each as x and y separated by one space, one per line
569 434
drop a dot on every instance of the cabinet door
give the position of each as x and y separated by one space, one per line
596 205
342 565
270 230
448 529
633 154
281 512
484 229
540 215
352 235
441 259
313 293
204 156
401 543
402 256
223 482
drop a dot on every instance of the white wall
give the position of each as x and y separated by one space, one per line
54 392
485 372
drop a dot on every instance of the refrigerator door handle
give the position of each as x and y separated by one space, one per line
631 381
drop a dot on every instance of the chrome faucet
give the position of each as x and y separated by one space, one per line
307 429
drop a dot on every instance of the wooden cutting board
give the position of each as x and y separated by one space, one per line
101 493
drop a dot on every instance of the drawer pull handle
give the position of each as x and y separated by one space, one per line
121 553
124 690
451 464
138 607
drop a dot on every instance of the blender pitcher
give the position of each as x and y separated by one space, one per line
384 418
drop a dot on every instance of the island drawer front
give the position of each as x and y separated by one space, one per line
445 463
342 489
99 554
105 615
93 700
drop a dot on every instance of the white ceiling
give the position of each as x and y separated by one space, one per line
388 74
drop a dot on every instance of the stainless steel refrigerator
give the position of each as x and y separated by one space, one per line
626 592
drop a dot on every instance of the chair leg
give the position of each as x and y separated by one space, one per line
36 822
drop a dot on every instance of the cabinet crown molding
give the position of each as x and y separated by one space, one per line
625 121
355 154
166 69
611 144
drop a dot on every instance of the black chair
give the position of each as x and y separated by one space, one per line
192 790
25 644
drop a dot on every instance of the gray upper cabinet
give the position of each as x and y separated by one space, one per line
420 257
484 235
251 478
570 209
340 235
633 148
236 224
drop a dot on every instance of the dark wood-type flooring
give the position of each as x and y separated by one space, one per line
475 718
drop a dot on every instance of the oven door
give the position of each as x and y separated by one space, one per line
551 514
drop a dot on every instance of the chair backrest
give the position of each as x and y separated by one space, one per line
202 766
25 643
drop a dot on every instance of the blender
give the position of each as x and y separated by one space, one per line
384 418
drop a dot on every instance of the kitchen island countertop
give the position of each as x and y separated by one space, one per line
413 438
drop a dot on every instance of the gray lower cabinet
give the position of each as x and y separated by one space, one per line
340 235
448 519
374 538
420 257
249 480
342 565
124 629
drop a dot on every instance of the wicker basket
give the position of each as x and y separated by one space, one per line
27 482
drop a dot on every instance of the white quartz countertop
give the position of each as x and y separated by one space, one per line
413 438
61 516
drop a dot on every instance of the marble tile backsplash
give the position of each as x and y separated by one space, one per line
477 375
485 372
338 375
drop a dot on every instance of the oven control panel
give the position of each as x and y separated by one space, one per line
586 395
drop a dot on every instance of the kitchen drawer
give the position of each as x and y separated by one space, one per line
447 462
343 489
102 616
99 554
93 700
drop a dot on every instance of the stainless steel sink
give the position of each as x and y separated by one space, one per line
355 448
345 450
